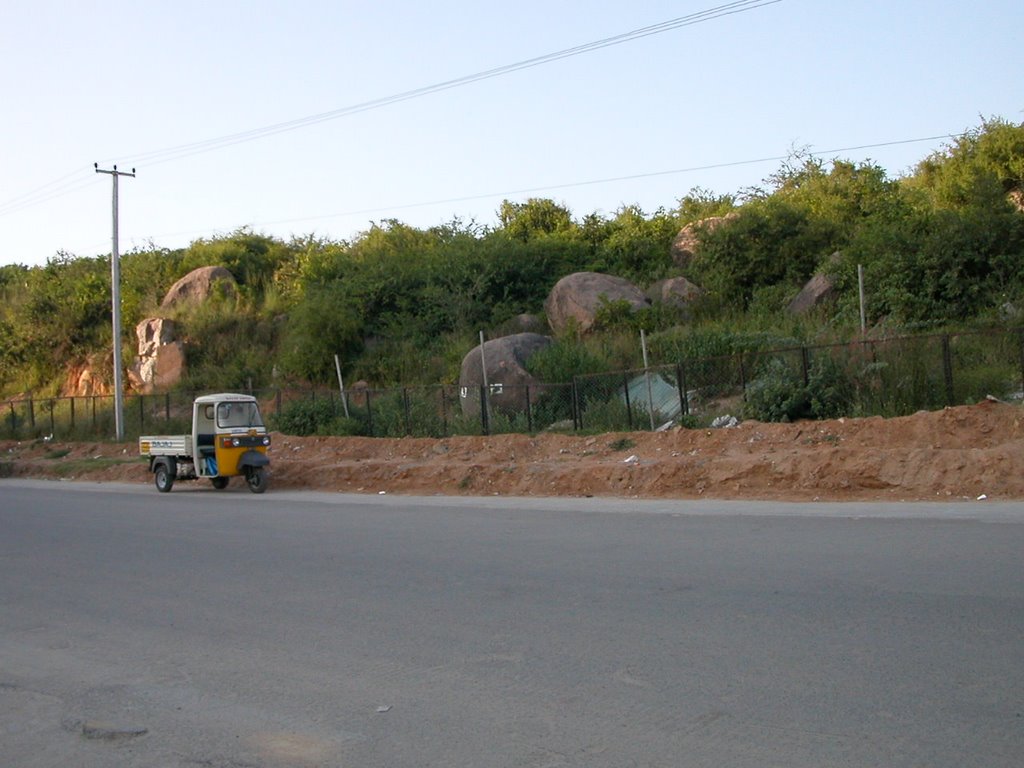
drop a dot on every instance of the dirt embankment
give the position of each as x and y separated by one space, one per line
956 453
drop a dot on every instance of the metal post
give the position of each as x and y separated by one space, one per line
684 405
407 410
629 407
577 412
529 411
486 390
115 300
860 290
947 369
647 376
341 385
485 425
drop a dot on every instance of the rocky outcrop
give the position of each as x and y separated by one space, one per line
1017 199
198 285
507 377
687 242
577 298
161 358
94 376
677 292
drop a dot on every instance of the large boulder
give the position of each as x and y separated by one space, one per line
507 377
577 298
161 359
677 292
819 290
198 285
687 242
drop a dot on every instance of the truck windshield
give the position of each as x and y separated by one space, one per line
238 415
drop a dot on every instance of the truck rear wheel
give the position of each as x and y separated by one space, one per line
256 477
163 476
220 483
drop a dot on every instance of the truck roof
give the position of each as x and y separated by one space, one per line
225 397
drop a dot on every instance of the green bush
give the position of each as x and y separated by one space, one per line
780 394
315 417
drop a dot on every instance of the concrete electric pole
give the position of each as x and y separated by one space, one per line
115 291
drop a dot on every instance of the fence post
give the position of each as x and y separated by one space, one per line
444 413
277 401
743 375
52 430
1020 343
684 405
529 411
142 414
14 420
94 413
405 408
577 413
805 364
369 414
31 413
629 407
947 368
167 407
484 421
72 413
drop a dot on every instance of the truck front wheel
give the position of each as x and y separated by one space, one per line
163 476
256 477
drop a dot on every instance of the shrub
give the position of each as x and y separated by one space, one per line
314 417
780 394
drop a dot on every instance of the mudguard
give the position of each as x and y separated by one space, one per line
169 461
253 459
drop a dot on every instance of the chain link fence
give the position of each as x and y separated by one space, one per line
886 377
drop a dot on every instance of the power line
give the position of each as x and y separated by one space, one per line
548 188
168 154
72 182
606 180
157 157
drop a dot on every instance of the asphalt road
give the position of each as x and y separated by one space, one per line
228 630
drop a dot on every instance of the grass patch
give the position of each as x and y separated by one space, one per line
622 444
57 453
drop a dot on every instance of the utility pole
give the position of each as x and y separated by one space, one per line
115 291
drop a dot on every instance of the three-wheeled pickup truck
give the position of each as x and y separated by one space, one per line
228 440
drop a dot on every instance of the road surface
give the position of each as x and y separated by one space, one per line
227 630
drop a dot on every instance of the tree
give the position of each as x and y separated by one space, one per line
977 170
534 218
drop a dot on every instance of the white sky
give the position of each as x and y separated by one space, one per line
113 80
